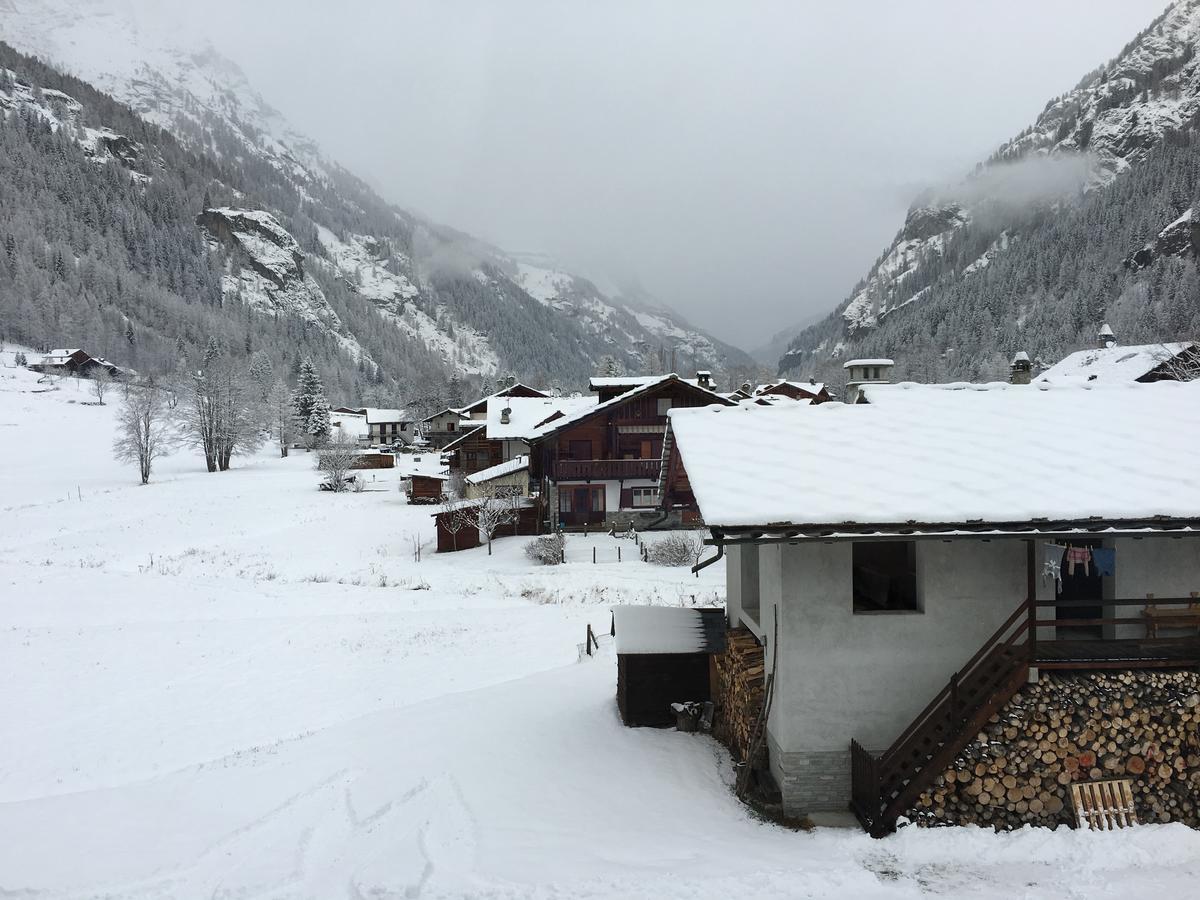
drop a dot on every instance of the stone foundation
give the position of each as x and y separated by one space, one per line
812 781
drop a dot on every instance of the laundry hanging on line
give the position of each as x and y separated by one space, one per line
1105 560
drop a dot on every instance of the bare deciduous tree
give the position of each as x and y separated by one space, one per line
1181 365
101 382
144 430
454 515
219 415
336 460
499 506
279 416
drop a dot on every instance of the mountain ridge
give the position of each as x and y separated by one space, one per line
1111 124
458 296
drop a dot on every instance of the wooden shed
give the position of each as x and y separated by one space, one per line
664 656
426 488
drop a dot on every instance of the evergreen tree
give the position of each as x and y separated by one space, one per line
310 409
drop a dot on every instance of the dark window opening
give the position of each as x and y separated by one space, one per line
885 577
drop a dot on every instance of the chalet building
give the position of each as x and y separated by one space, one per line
600 464
812 391
443 427
910 563
471 451
448 425
388 426
73 361
1113 363
606 387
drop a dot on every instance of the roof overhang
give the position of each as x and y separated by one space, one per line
852 531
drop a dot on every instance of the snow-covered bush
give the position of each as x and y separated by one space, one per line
681 548
547 549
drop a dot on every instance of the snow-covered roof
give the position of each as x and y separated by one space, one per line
809 387
869 362
629 382
378 416
1114 364
968 455
481 403
516 464
668 629
529 415
576 415
350 424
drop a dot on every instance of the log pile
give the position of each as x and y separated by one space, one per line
738 693
1138 724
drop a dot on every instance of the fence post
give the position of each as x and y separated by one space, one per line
618 552
593 554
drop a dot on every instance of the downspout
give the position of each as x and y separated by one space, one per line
718 539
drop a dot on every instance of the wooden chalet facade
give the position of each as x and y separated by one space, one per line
73 361
473 452
604 463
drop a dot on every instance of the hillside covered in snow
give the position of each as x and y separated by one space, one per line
1029 252
427 303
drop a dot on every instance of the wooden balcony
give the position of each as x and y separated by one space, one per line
604 469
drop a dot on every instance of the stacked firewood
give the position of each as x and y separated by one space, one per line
1142 725
739 693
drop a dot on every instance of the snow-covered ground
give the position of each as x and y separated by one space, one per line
234 685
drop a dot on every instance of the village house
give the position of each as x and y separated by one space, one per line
509 423
600 464
1112 362
73 361
447 425
812 391
388 426
911 562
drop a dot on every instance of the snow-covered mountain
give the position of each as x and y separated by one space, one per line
472 306
1113 122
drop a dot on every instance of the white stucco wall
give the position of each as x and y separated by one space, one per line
865 676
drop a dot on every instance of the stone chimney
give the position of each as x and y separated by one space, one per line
1021 370
704 378
861 372
1105 338
747 388
506 415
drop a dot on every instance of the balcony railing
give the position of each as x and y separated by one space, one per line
581 469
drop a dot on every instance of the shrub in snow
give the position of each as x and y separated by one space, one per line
548 549
336 460
677 549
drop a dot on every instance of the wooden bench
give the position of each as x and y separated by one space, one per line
1104 805
1171 616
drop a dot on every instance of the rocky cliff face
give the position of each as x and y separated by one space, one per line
1113 122
444 289
264 267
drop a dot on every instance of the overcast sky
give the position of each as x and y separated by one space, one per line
745 162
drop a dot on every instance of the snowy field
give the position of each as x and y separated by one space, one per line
236 686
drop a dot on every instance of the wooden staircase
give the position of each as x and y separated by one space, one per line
884 787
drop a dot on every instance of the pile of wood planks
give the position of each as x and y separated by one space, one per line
1071 728
738 693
